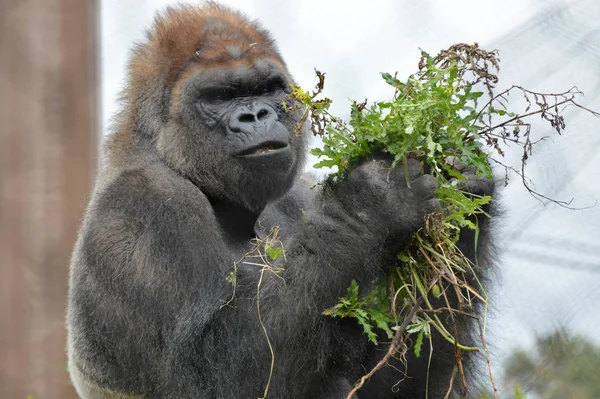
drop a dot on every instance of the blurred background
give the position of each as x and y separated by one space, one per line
62 64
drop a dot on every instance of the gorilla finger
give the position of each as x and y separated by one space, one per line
425 186
413 170
477 185
459 166
369 170
432 206
381 156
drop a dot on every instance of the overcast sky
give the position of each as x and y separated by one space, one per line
550 267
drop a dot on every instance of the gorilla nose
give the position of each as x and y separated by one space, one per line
248 118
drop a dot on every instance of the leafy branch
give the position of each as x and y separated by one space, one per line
435 116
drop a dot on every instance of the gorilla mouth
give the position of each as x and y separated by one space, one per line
268 147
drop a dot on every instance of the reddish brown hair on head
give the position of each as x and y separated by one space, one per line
209 35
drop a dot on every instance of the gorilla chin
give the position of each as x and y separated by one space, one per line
268 155
269 171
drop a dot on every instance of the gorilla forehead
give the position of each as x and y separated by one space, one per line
235 51
242 75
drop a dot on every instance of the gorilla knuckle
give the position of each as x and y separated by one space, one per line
414 167
425 186
477 185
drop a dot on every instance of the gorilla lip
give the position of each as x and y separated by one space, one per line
266 148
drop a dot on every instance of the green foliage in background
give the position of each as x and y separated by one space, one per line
560 366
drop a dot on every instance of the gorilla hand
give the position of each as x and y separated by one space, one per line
378 196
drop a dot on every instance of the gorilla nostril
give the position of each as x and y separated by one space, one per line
263 113
246 118
249 117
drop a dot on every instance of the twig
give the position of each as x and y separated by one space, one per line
522 116
487 359
454 371
398 338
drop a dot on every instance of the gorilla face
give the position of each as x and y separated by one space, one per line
241 144
247 110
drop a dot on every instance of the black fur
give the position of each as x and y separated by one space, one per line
180 197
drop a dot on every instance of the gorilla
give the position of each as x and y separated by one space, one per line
204 157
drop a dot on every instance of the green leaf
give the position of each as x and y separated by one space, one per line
403 257
454 173
419 343
273 253
326 163
368 330
432 147
231 278
352 291
382 321
518 393
436 291
391 80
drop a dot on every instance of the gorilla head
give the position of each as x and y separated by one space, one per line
222 119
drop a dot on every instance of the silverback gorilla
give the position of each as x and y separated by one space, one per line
202 154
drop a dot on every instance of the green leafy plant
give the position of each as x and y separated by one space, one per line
447 116
371 310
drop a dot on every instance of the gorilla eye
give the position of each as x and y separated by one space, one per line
215 94
274 84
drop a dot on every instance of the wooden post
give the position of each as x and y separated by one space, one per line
48 143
